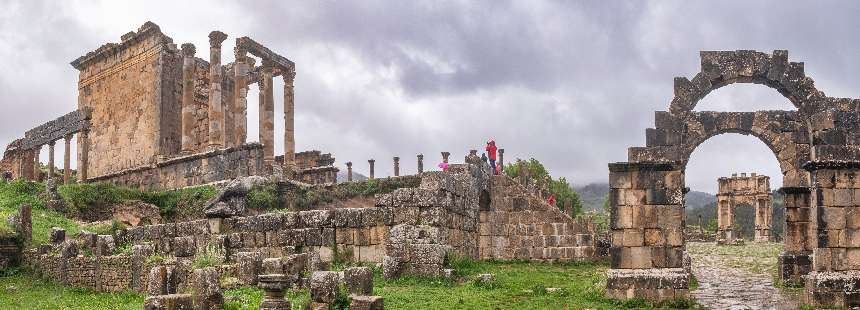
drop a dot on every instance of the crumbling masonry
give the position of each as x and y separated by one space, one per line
818 149
753 190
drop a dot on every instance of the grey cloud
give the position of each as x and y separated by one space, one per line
570 83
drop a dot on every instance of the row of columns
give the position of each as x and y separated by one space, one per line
218 117
67 158
396 159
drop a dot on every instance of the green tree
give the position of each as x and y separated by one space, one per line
560 187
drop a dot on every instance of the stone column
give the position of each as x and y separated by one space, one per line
349 171
371 161
396 166
289 121
267 114
501 158
188 68
216 110
67 160
84 139
51 159
420 163
240 93
274 285
647 250
445 156
36 169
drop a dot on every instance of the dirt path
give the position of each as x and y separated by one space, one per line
738 277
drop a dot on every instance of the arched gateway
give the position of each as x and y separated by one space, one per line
818 149
753 190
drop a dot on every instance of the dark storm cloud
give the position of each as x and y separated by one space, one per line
570 83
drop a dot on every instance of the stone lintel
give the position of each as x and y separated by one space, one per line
831 164
794 190
639 166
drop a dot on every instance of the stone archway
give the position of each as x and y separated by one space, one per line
753 190
818 149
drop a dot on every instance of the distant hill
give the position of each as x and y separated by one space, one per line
341 176
592 196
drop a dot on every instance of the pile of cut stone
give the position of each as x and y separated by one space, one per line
324 288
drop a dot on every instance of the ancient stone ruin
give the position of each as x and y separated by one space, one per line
818 149
753 190
151 115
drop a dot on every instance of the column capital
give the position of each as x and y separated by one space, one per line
349 164
420 156
289 77
371 161
188 50
396 159
52 143
216 37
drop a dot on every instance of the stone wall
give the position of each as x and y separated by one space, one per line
10 251
517 225
122 84
410 231
196 169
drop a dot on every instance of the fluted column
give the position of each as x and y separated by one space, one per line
420 163
267 114
51 169
67 160
371 162
216 110
349 171
188 67
289 122
502 158
84 138
240 95
396 166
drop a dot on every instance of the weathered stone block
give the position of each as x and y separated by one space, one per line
323 286
58 235
169 302
207 289
359 280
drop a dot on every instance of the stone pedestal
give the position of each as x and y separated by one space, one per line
274 285
655 284
829 289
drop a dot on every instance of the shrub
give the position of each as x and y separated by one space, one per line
263 198
209 258
155 259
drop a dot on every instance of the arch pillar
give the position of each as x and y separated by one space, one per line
646 223
835 224
796 259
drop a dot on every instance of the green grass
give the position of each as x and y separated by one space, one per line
518 285
15 193
25 291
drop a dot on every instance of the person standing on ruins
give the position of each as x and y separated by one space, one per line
491 153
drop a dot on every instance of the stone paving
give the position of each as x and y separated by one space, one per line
738 277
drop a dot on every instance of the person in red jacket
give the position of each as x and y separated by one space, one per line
551 200
491 153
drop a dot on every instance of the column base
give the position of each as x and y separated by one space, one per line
655 284
833 289
793 266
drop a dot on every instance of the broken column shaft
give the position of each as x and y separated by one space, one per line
396 166
371 161
349 171
420 163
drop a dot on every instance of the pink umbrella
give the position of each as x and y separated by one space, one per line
443 166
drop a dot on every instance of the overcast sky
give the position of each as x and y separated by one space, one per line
570 83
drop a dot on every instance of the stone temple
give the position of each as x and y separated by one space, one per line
152 115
